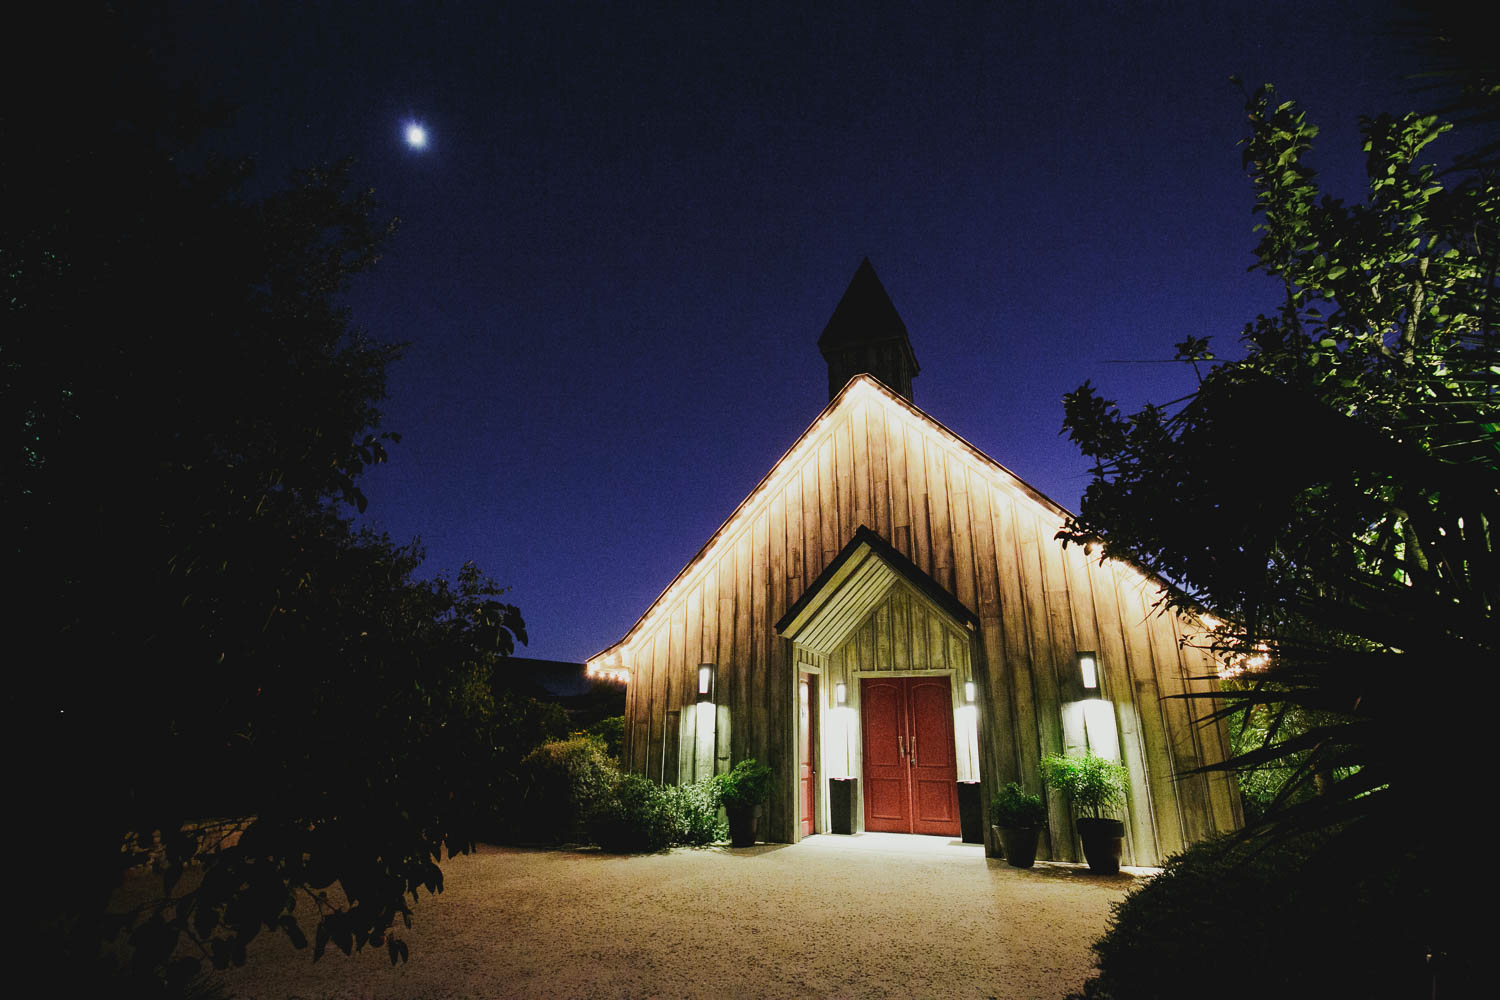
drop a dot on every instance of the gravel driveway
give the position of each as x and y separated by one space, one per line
876 915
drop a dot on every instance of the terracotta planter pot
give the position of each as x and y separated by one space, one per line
1103 843
743 822
1019 844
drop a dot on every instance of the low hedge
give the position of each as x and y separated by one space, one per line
562 783
640 815
633 818
1244 919
694 810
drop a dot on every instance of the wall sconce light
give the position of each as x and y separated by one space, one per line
705 682
969 692
1089 668
840 693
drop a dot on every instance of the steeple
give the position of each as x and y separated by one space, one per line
865 334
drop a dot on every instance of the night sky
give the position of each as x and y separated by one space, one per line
628 229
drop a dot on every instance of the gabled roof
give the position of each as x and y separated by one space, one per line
859 388
865 315
867 557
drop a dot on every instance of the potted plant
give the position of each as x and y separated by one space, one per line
1018 818
1095 786
742 790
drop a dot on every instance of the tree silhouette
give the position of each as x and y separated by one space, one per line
225 678
1332 496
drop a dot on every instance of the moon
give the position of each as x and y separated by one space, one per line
416 136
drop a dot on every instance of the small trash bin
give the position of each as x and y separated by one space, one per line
969 820
841 799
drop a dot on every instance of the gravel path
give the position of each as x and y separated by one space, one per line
870 916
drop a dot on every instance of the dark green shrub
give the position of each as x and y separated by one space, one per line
1234 919
694 810
634 817
639 815
561 782
1014 809
611 732
1281 781
747 784
518 725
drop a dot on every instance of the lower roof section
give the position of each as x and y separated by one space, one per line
853 583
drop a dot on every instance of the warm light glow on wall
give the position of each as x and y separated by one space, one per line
1101 728
966 732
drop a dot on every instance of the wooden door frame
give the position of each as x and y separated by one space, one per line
815 738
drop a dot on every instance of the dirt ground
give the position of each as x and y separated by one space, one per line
876 915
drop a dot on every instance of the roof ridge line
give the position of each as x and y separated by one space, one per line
854 384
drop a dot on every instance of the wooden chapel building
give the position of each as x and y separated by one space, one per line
889 605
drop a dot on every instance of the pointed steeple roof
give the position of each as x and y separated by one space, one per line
865 313
866 334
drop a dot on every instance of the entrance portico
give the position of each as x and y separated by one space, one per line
892 654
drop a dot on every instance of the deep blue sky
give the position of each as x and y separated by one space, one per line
629 228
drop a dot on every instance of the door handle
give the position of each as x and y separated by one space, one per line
900 743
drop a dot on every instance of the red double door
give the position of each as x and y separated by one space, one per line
911 768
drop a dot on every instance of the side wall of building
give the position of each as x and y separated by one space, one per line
990 542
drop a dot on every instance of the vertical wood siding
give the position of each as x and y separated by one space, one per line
982 535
